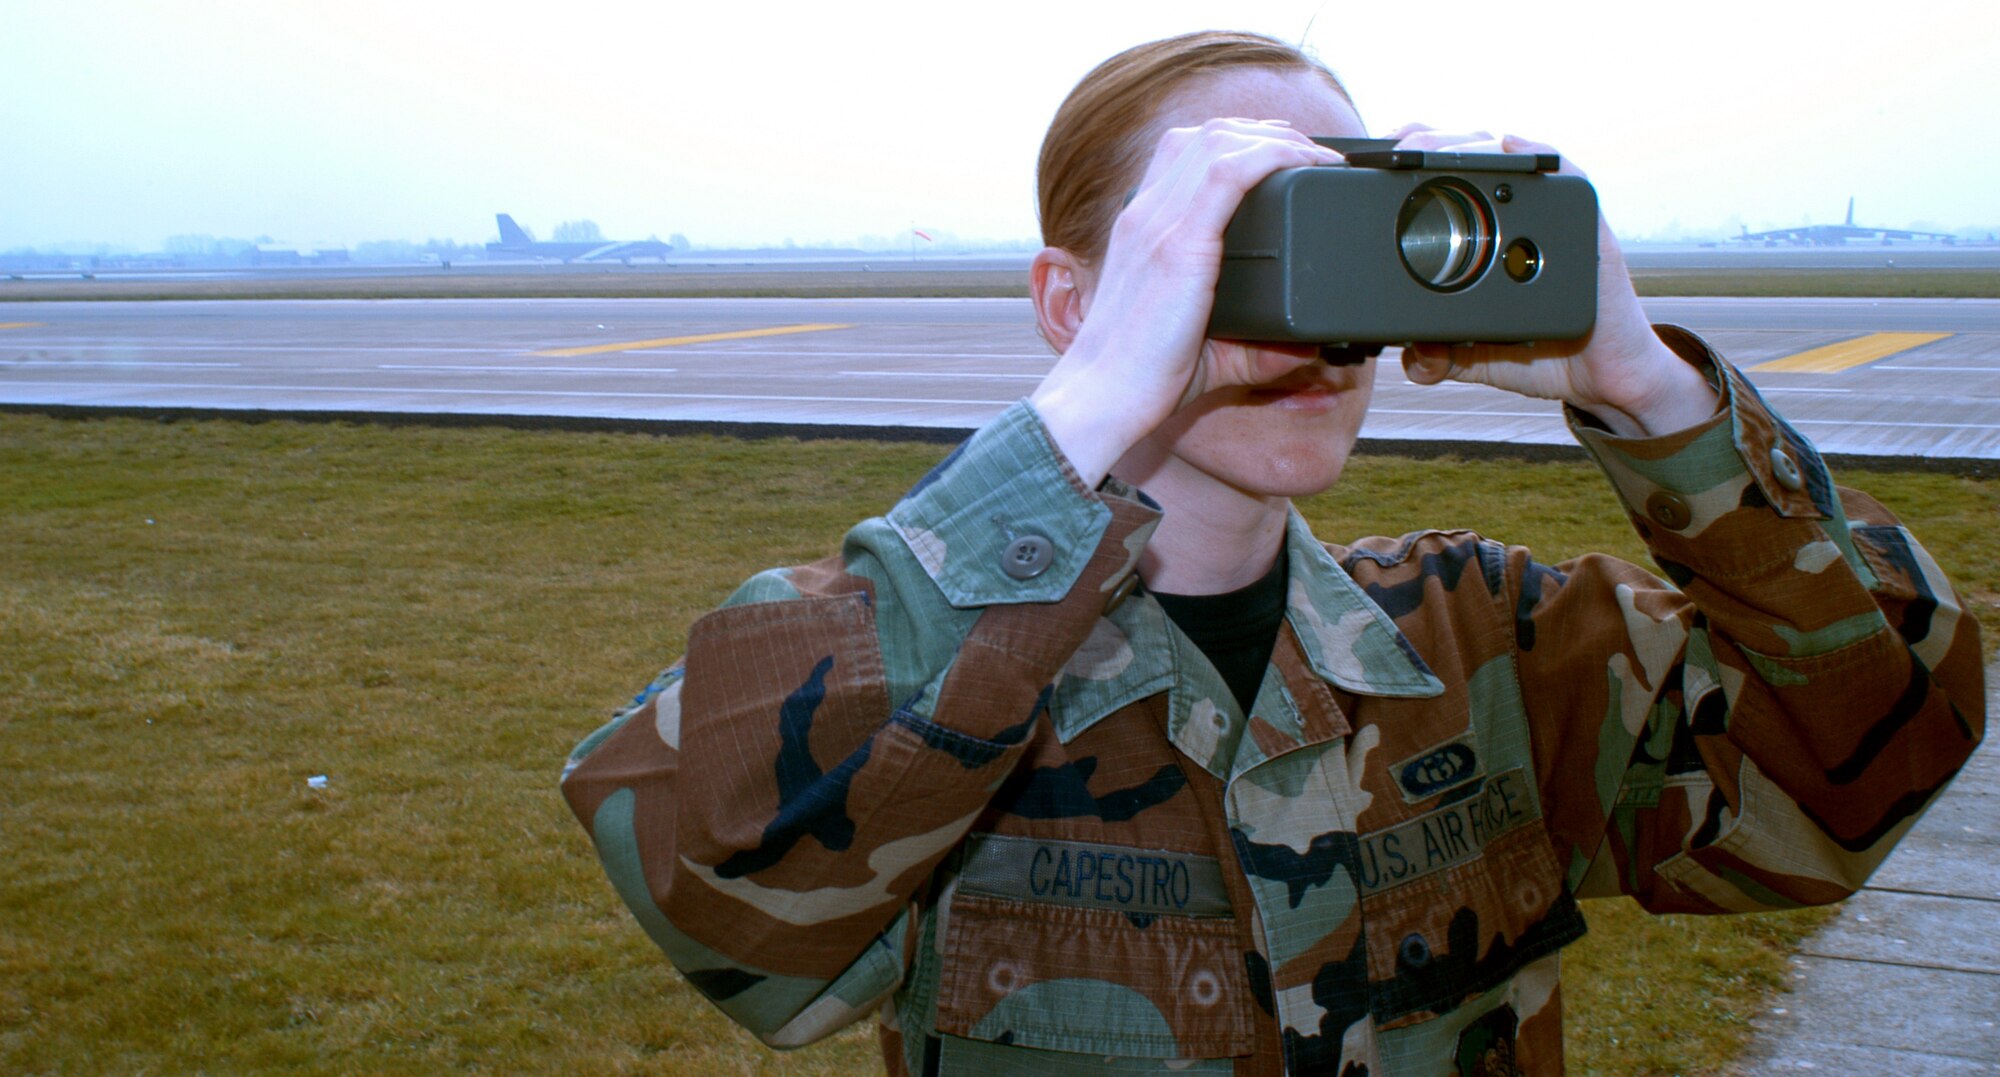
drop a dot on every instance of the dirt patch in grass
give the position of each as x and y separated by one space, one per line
198 617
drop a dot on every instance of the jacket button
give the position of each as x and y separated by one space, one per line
1414 952
1786 469
1027 557
1668 510
1122 592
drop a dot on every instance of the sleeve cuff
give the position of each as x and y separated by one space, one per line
1686 480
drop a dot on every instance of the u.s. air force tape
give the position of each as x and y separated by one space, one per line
1091 876
1448 836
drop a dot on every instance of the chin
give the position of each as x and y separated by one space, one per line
1298 471
1295 464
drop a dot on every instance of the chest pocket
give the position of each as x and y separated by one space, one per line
1457 899
1105 950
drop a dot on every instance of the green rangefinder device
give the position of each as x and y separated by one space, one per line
1403 246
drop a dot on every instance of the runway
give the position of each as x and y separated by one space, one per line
1861 377
1726 257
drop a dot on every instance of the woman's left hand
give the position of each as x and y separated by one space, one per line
1619 372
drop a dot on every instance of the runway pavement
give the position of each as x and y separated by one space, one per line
1914 378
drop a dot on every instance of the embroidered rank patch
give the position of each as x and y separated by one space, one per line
1439 767
1448 836
1090 876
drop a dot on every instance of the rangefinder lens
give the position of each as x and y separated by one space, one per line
1522 260
1445 234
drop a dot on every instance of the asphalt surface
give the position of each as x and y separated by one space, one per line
1730 256
938 365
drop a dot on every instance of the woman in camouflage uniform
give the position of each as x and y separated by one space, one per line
1289 807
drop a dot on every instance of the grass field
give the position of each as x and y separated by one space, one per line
199 616
824 284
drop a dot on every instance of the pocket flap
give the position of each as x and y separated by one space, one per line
1091 980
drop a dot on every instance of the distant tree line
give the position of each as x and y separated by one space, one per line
579 232
403 250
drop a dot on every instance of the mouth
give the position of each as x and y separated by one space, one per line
1306 386
1313 395
1312 387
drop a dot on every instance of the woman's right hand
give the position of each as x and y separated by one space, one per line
1133 329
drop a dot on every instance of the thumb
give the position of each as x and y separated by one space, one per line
1428 364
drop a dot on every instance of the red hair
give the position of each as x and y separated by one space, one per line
1096 147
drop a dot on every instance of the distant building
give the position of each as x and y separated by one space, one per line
33 261
279 254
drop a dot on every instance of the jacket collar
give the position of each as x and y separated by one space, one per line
1350 640
1135 651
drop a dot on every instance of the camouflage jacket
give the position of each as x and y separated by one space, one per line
963 775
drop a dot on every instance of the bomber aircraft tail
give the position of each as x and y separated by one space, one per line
511 233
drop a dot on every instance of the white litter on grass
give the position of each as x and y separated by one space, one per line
317 781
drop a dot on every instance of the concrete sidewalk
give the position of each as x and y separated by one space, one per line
1906 981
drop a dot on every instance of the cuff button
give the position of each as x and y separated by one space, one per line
1668 510
1786 469
1122 592
1027 557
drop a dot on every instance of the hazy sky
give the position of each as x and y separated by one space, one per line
748 123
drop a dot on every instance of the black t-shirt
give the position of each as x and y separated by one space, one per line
1235 630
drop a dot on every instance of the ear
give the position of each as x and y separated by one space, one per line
1058 281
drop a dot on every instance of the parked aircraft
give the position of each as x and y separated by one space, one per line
1834 235
515 240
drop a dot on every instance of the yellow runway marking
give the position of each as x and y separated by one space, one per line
1848 353
704 338
20 325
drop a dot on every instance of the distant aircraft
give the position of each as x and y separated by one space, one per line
515 240
1834 235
